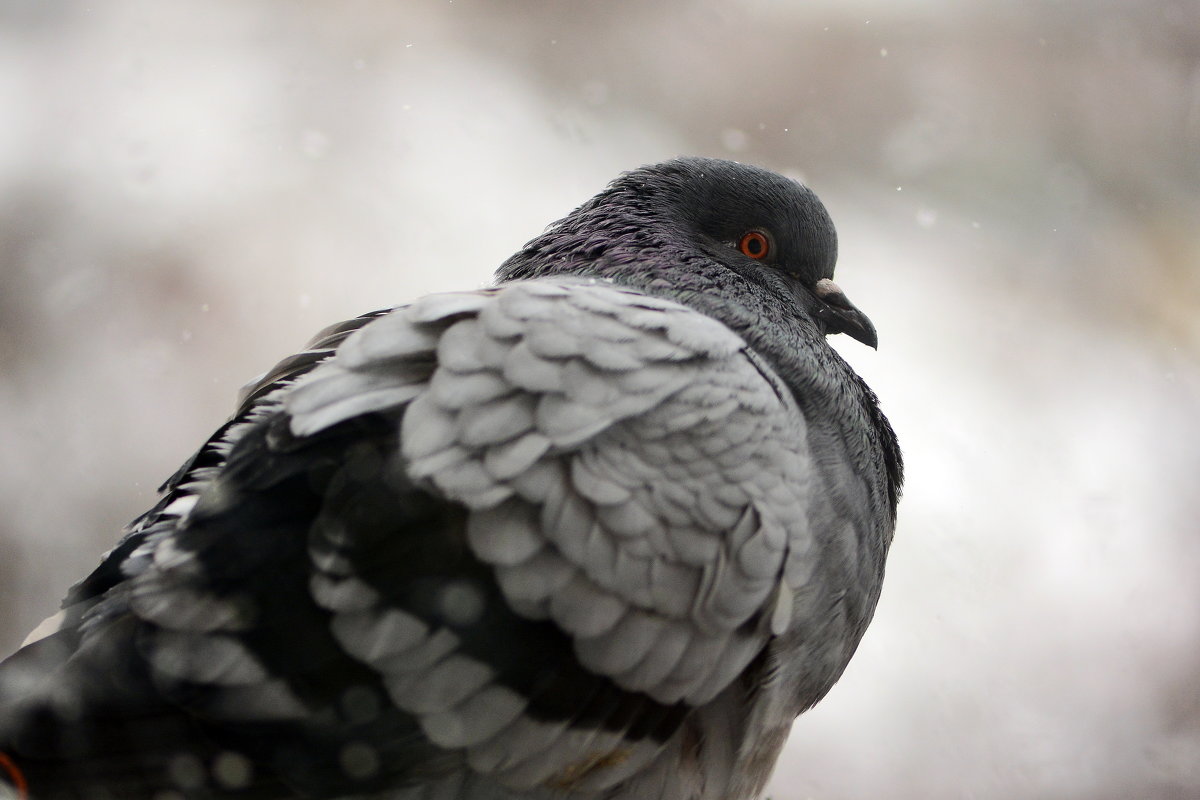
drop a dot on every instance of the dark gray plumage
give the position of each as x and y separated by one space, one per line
600 531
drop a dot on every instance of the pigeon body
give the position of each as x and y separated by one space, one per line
601 530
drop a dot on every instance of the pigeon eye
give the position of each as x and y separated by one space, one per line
755 244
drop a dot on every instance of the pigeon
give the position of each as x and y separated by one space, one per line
602 529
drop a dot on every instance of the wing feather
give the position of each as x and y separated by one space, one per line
630 450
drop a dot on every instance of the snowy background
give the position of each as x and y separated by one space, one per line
189 190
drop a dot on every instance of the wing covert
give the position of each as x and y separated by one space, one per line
633 473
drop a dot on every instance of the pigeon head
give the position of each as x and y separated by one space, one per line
691 224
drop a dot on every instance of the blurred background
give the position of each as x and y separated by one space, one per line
189 190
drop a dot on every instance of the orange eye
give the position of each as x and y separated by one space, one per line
755 244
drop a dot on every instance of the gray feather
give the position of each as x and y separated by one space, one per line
601 530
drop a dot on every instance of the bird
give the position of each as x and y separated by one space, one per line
602 529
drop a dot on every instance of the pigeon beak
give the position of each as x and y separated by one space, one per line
839 315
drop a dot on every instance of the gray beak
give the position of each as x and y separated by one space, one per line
839 315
